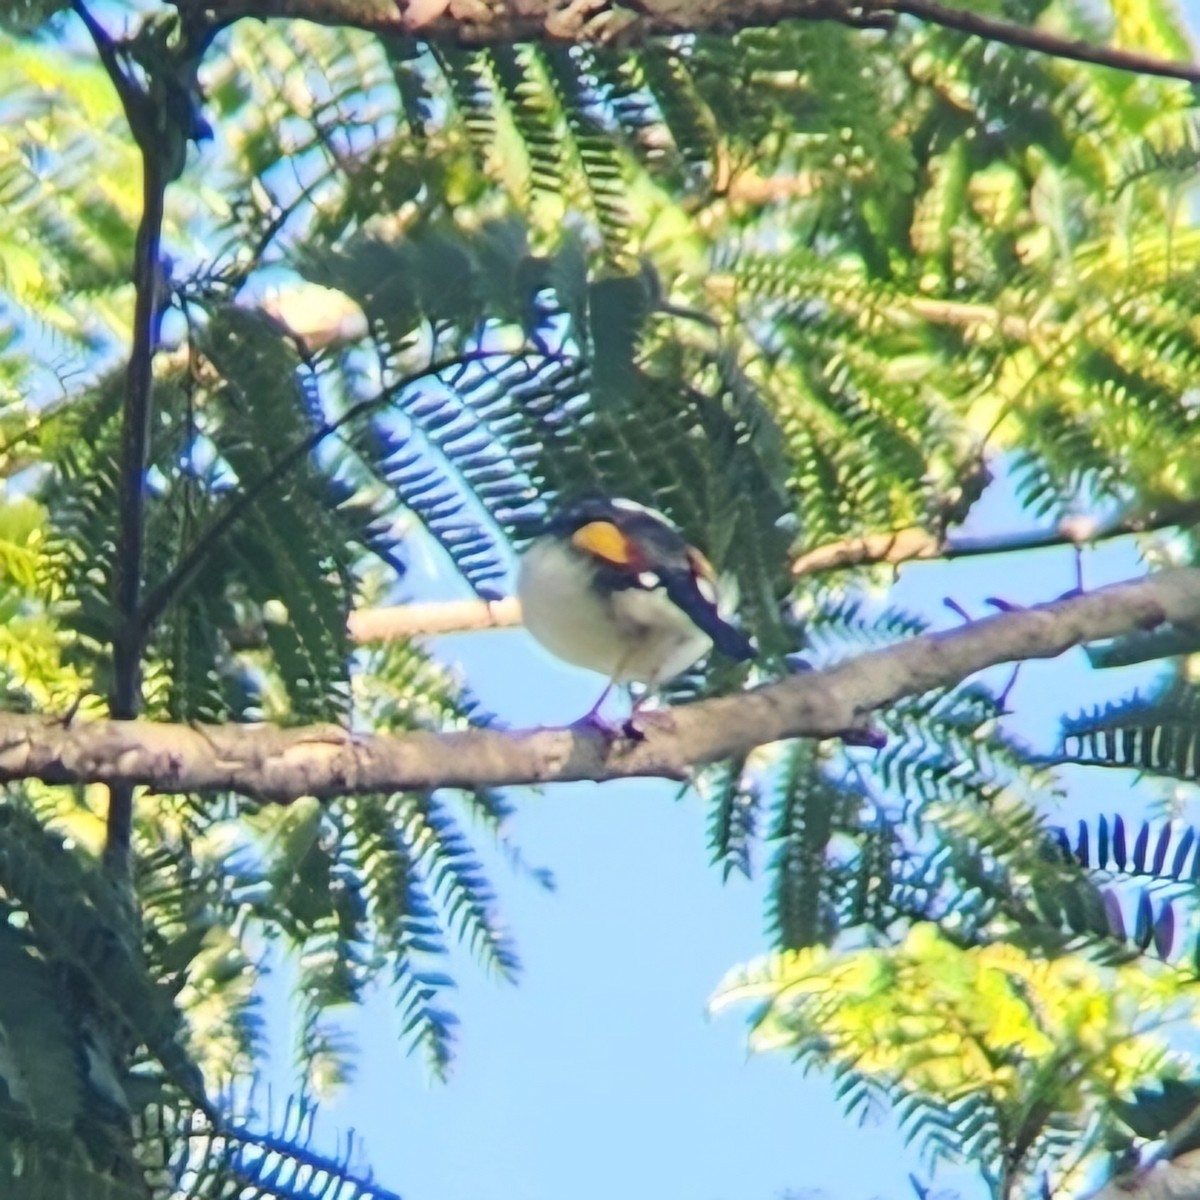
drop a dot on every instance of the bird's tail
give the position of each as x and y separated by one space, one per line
733 643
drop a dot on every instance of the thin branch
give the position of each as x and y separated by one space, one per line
901 545
994 29
409 620
158 600
464 22
908 545
135 442
967 316
279 765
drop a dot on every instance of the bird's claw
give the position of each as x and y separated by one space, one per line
637 723
864 735
634 728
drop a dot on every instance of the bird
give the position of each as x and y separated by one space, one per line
614 587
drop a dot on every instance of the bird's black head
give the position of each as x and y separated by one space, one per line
577 511
661 542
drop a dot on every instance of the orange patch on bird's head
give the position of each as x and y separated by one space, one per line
603 540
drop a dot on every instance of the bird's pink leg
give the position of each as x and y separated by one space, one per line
592 718
593 713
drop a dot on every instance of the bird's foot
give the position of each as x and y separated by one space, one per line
640 721
864 735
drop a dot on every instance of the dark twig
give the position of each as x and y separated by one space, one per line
127 639
161 596
125 701
135 444
133 98
917 544
1038 40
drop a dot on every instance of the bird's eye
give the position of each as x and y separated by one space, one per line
648 580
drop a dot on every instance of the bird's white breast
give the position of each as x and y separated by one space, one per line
631 635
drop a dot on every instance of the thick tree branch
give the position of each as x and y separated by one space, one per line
281 764
492 22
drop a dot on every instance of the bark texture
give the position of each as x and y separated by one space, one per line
282 764
628 22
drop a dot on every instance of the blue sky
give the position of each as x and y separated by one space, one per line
600 1075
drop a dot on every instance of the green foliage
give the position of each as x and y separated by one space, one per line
1157 734
982 1051
792 286
1165 1110
277 1163
69 205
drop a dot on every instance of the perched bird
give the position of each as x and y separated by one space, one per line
612 586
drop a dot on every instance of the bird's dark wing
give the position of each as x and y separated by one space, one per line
640 550
685 593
